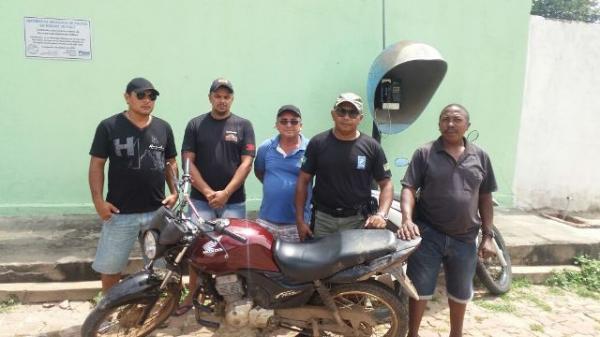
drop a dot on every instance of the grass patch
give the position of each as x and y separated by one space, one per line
536 327
584 292
556 291
184 293
520 283
537 301
585 282
504 305
8 305
498 307
96 299
522 291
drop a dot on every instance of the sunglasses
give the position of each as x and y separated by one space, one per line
141 95
289 121
352 113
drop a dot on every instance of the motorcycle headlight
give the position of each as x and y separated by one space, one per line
150 241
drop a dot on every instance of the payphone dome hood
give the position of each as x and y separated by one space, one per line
418 70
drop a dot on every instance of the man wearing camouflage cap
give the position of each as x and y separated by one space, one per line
345 163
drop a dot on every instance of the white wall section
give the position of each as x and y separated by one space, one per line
558 154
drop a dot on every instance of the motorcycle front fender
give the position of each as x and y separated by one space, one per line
139 285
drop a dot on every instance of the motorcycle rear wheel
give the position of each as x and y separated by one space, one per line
495 277
377 300
120 319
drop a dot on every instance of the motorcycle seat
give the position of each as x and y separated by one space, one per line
319 258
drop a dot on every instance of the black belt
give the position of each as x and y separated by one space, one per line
338 212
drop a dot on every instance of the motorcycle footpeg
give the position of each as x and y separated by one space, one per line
202 307
207 320
208 324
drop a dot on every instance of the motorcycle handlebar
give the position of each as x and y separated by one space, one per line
235 236
221 228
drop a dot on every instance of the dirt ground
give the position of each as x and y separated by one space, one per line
527 310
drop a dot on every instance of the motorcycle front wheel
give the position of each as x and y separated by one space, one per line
122 318
387 316
495 276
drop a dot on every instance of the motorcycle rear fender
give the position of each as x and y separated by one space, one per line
383 264
139 285
407 286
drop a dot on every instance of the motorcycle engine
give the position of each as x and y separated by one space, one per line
238 309
230 287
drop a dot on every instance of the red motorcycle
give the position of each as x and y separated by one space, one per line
246 279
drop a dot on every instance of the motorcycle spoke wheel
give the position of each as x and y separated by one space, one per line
122 320
493 267
494 276
376 311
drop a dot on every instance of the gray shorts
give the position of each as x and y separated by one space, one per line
326 224
117 238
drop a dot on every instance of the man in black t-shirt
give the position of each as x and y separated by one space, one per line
220 147
345 163
140 150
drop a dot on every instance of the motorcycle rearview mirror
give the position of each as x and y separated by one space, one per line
186 166
401 162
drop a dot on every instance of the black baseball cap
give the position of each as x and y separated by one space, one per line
139 84
289 108
219 83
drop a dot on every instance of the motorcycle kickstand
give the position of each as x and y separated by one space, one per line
328 300
315 328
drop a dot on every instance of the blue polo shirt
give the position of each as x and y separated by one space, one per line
280 174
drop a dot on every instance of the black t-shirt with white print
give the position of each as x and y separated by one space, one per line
344 170
136 161
219 145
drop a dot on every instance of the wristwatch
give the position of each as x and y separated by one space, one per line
381 214
491 234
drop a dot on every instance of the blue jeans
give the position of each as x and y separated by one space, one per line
459 259
229 211
117 238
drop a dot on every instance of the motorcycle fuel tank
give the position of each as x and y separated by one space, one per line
231 255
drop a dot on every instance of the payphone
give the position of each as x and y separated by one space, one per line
401 82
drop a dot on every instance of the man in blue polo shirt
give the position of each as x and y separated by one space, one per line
277 166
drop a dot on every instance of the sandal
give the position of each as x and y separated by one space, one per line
182 310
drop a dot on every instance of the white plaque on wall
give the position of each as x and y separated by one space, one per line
57 38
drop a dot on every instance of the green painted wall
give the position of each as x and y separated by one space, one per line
274 52
485 46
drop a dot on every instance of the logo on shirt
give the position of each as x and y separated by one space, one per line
126 148
156 147
361 162
386 167
231 136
